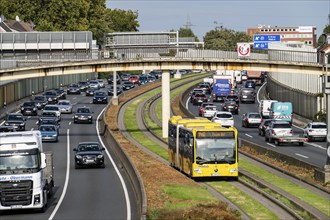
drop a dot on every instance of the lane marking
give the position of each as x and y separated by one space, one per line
317 146
300 155
249 135
272 145
67 175
128 202
259 91
70 123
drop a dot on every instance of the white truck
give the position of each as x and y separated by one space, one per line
26 172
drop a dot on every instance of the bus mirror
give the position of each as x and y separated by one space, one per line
191 142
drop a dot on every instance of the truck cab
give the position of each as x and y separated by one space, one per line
281 111
26 172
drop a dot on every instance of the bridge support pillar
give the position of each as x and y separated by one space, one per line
115 100
166 102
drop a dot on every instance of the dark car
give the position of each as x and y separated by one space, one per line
83 115
194 92
143 79
45 115
247 95
206 88
74 88
125 76
89 154
90 91
128 85
250 84
83 86
40 101
199 98
156 73
9 128
262 127
110 79
230 106
16 120
100 97
29 108
110 90
51 96
232 97
61 93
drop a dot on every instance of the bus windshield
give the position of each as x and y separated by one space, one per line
215 150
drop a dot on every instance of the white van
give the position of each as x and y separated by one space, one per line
264 106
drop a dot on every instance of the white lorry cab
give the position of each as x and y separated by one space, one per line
26 172
264 107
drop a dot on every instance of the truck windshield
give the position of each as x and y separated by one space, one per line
17 162
215 150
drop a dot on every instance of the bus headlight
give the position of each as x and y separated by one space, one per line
234 170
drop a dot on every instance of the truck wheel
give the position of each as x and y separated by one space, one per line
277 143
301 143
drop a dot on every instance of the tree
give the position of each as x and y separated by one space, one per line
326 30
224 39
187 32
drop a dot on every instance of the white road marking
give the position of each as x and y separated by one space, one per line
70 123
300 155
317 146
66 177
259 91
249 135
272 145
128 202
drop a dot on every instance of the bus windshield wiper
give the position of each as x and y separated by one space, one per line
201 160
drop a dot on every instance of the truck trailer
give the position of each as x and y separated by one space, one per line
26 172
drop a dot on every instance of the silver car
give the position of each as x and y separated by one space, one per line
65 106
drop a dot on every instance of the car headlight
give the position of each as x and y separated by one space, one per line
100 156
21 124
54 135
22 108
78 156
6 123
34 109
76 116
89 116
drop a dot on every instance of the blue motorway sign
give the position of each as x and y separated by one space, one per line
266 37
260 45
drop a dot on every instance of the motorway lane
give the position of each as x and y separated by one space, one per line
312 152
94 193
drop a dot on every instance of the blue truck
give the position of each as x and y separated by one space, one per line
221 88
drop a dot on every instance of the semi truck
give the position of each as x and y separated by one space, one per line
26 172
222 86
256 76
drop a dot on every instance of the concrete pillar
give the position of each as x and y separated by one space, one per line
166 102
114 99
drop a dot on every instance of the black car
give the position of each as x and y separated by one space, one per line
232 97
61 93
83 86
90 91
40 101
199 98
143 79
230 106
262 127
9 128
45 115
110 79
83 115
51 96
110 90
89 154
29 108
100 97
250 84
127 85
16 120
74 88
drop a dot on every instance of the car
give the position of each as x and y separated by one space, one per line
128 85
156 73
205 87
94 84
50 121
65 106
110 90
232 97
134 79
48 133
151 78
101 83
73 88
244 76
199 98
40 101
61 93
53 108
247 95
201 108
316 131
250 84
276 129
110 79
9 128
251 119
230 106
225 119
29 108
209 111
90 91
83 115
263 126
143 79
45 115
125 76
16 120
194 92
89 154
51 96
83 85
100 97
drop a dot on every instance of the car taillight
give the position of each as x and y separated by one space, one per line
204 111
205 99
236 107
273 132
224 107
247 120
264 126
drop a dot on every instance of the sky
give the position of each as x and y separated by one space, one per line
238 15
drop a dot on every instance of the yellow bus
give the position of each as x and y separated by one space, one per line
203 149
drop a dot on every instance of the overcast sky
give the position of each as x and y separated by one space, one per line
204 15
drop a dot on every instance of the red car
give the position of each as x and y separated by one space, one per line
134 79
199 98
